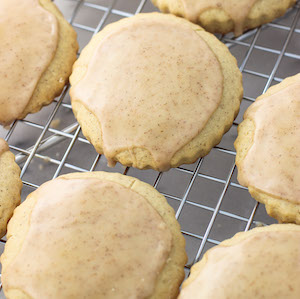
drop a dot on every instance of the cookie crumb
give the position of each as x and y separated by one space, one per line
55 123
259 224
46 159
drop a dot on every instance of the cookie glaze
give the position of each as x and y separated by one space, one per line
89 238
272 164
29 37
152 84
264 265
238 11
3 146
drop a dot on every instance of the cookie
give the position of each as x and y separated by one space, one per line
268 146
261 263
93 235
228 15
10 185
164 99
38 50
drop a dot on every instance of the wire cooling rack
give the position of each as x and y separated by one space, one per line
209 203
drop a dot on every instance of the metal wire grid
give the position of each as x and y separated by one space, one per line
198 242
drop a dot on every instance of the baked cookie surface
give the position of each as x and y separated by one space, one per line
261 263
228 15
10 185
93 235
164 99
268 146
38 50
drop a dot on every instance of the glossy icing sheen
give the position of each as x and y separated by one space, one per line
28 38
157 92
238 10
273 162
265 265
90 238
3 146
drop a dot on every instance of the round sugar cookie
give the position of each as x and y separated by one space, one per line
227 15
261 263
10 185
38 49
93 235
155 91
268 147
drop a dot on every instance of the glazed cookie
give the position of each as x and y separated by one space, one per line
228 15
261 263
38 49
93 235
268 147
10 185
164 99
